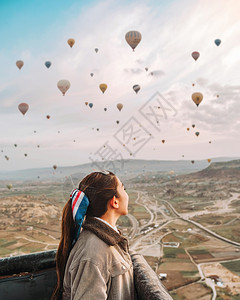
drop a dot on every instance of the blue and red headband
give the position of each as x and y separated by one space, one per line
80 204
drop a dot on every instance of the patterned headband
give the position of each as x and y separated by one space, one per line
80 204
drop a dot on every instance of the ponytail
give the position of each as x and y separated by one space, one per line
64 248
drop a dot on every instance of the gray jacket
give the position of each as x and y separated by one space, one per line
99 265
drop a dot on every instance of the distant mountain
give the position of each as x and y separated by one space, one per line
220 170
123 168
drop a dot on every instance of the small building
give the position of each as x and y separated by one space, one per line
162 276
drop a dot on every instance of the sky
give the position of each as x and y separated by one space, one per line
162 65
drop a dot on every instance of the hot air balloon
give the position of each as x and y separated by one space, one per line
163 141
54 167
193 125
7 158
63 86
86 103
91 74
195 55
103 87
23 107
71 42
9 186
105 109
119 106
48 117
15 145
35 131
48 64
90 105
193 84
188 129
209 160
197 98
19 64
192 161
197 133
96 50
217 42
133 38
146 69
25 154
210 142
136 88
217 96
117 122
38 146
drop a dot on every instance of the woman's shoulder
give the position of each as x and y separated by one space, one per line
90 247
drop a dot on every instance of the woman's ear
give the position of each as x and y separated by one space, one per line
114 202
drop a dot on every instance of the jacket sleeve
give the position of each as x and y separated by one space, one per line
146 281
87 282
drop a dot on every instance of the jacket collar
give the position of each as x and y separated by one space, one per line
105 233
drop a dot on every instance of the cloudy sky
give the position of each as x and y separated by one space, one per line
37 31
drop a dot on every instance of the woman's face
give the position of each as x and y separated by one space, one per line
123 198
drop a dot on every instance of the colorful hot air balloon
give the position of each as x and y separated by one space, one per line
9 186
119 106
48 64
54 167
133 38
63 86
86 103
195 55
197 133
19 64
96 50
188 129
209 160
90 105
71 42
103 87
217 42
197 98
23 107
136 88
48 117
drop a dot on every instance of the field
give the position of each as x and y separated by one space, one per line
233 266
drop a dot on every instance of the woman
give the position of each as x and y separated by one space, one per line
94 264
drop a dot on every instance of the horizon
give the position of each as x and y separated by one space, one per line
221 159
162 110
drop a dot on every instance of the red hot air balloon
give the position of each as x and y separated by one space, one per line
195 55
23 107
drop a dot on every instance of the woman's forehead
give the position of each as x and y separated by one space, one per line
119 181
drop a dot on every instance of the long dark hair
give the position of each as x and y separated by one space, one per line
99 187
